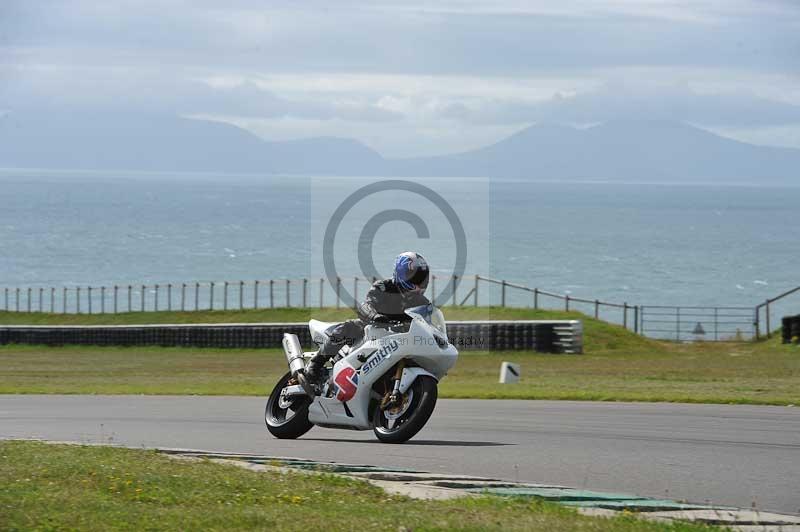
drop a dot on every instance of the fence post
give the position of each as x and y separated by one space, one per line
130 288
255 294
321 282
5 299
766 310
288 292
142 298
305 293
116 289
155 306
535 299
338 290
678 324
77 299
225 296
566 302
625 315
641 321
102 300
52 300
183 297
756 313
636 319
41 291
89 298
596 309
475 295
455 283
716 326
503 293
64 301
29 299
211 296
241 295
196 296
355 292
271 294
169 297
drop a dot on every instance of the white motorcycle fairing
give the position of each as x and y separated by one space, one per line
345 403
318 330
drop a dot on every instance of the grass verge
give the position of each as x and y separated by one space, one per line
737 373
617 365
63 487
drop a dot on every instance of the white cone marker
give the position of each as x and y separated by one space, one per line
509 373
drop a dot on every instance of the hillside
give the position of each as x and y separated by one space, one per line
623 151
638 151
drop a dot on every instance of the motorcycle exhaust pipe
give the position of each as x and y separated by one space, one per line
294 353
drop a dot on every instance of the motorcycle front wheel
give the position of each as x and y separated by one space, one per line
401 423
287 418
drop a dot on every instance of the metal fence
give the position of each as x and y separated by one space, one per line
698 323
767 307
193 296
471 290
505 292
678 323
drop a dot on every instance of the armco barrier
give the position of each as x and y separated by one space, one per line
556 336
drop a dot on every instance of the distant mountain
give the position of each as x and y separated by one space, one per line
625 150
98 141
638 151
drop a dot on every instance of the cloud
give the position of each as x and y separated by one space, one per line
616 100
468 69
454 37
156 92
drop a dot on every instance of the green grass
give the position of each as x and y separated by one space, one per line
617 365
280 315
731 373
62 487
763 373
265 315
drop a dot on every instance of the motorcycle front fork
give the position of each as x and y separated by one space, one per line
394 398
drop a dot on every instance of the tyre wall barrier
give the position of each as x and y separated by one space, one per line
555 336
790 328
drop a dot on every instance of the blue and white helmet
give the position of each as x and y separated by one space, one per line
411 272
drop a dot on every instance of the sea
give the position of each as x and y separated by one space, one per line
644 244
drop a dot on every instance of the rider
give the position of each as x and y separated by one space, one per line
385 301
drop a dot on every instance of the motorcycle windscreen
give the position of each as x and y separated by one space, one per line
431 315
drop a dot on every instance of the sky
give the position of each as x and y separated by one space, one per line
411 78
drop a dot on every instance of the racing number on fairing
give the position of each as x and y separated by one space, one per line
346 383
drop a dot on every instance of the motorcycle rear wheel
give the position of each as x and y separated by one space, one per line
290 422
422 395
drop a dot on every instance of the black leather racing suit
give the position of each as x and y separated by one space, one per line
384 302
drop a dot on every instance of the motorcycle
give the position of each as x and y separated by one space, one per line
388 382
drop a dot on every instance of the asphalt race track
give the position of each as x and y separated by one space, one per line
723 454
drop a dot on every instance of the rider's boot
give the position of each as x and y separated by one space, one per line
313 371
311 375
